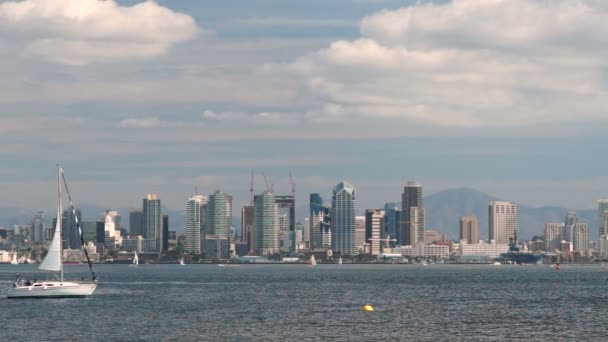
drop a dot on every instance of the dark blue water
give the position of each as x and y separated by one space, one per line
293 302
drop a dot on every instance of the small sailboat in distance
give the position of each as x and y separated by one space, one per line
340 261
181 262
14 259
135 260
312 262
54 262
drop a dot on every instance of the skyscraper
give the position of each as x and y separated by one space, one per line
374 228
194 208
152 220
38 227
266 224
580 238
553 236
412 215
319 221
469 229
136 223
392 222
602 206
112 229
568 228
165 237
343 238
503 221
71 236
360 233
247 224
219 214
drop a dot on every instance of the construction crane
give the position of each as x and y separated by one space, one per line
269 186
251 187
292 181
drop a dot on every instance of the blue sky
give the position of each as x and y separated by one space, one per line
507 97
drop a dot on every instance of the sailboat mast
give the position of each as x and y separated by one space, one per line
59 218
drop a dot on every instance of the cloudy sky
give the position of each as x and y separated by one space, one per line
508 97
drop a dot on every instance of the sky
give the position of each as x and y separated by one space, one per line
132 97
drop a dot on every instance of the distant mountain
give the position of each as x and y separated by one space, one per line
443 209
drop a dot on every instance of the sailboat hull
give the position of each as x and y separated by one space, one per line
53 289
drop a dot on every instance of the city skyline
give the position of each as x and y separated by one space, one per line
265 85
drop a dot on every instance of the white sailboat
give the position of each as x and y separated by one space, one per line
54 262
181 262
312 262
340 261
135 260
14 259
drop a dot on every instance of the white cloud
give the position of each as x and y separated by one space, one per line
244 117
88 31
466 63
146 123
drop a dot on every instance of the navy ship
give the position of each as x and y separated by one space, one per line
515 256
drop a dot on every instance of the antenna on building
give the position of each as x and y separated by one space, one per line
251 187
269 186
196 190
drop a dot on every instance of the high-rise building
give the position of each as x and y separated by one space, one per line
374 229
136 223
89 231
285 238
392 222
165 238
360 233
247 224
343 238
553 236
580 238
412 215
568 228
469 229
266 224
219 214
602 207
152 222
319 224
38 227
503 221
71 236
112 229
194 213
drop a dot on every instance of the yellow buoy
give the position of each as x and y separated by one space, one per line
368 307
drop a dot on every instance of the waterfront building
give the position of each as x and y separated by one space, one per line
152 221
602 247
602 207
374 228
424 251
491 250
194 215
89 231
149 245
285 236
165 237
136 223
503 221
580 238
432 237
343 219
219 214
553 236
38 227
412 215
469 229
568 227
133 244
360 233
217 247
266 224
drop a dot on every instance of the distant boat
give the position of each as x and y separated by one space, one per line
496 263
54 262
312 262
340 261
181 262
135 260
14 259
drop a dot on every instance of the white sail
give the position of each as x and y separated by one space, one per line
54 260
14 259
135 259
313 261
181 262
340 261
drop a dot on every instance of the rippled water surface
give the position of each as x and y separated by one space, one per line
293 302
